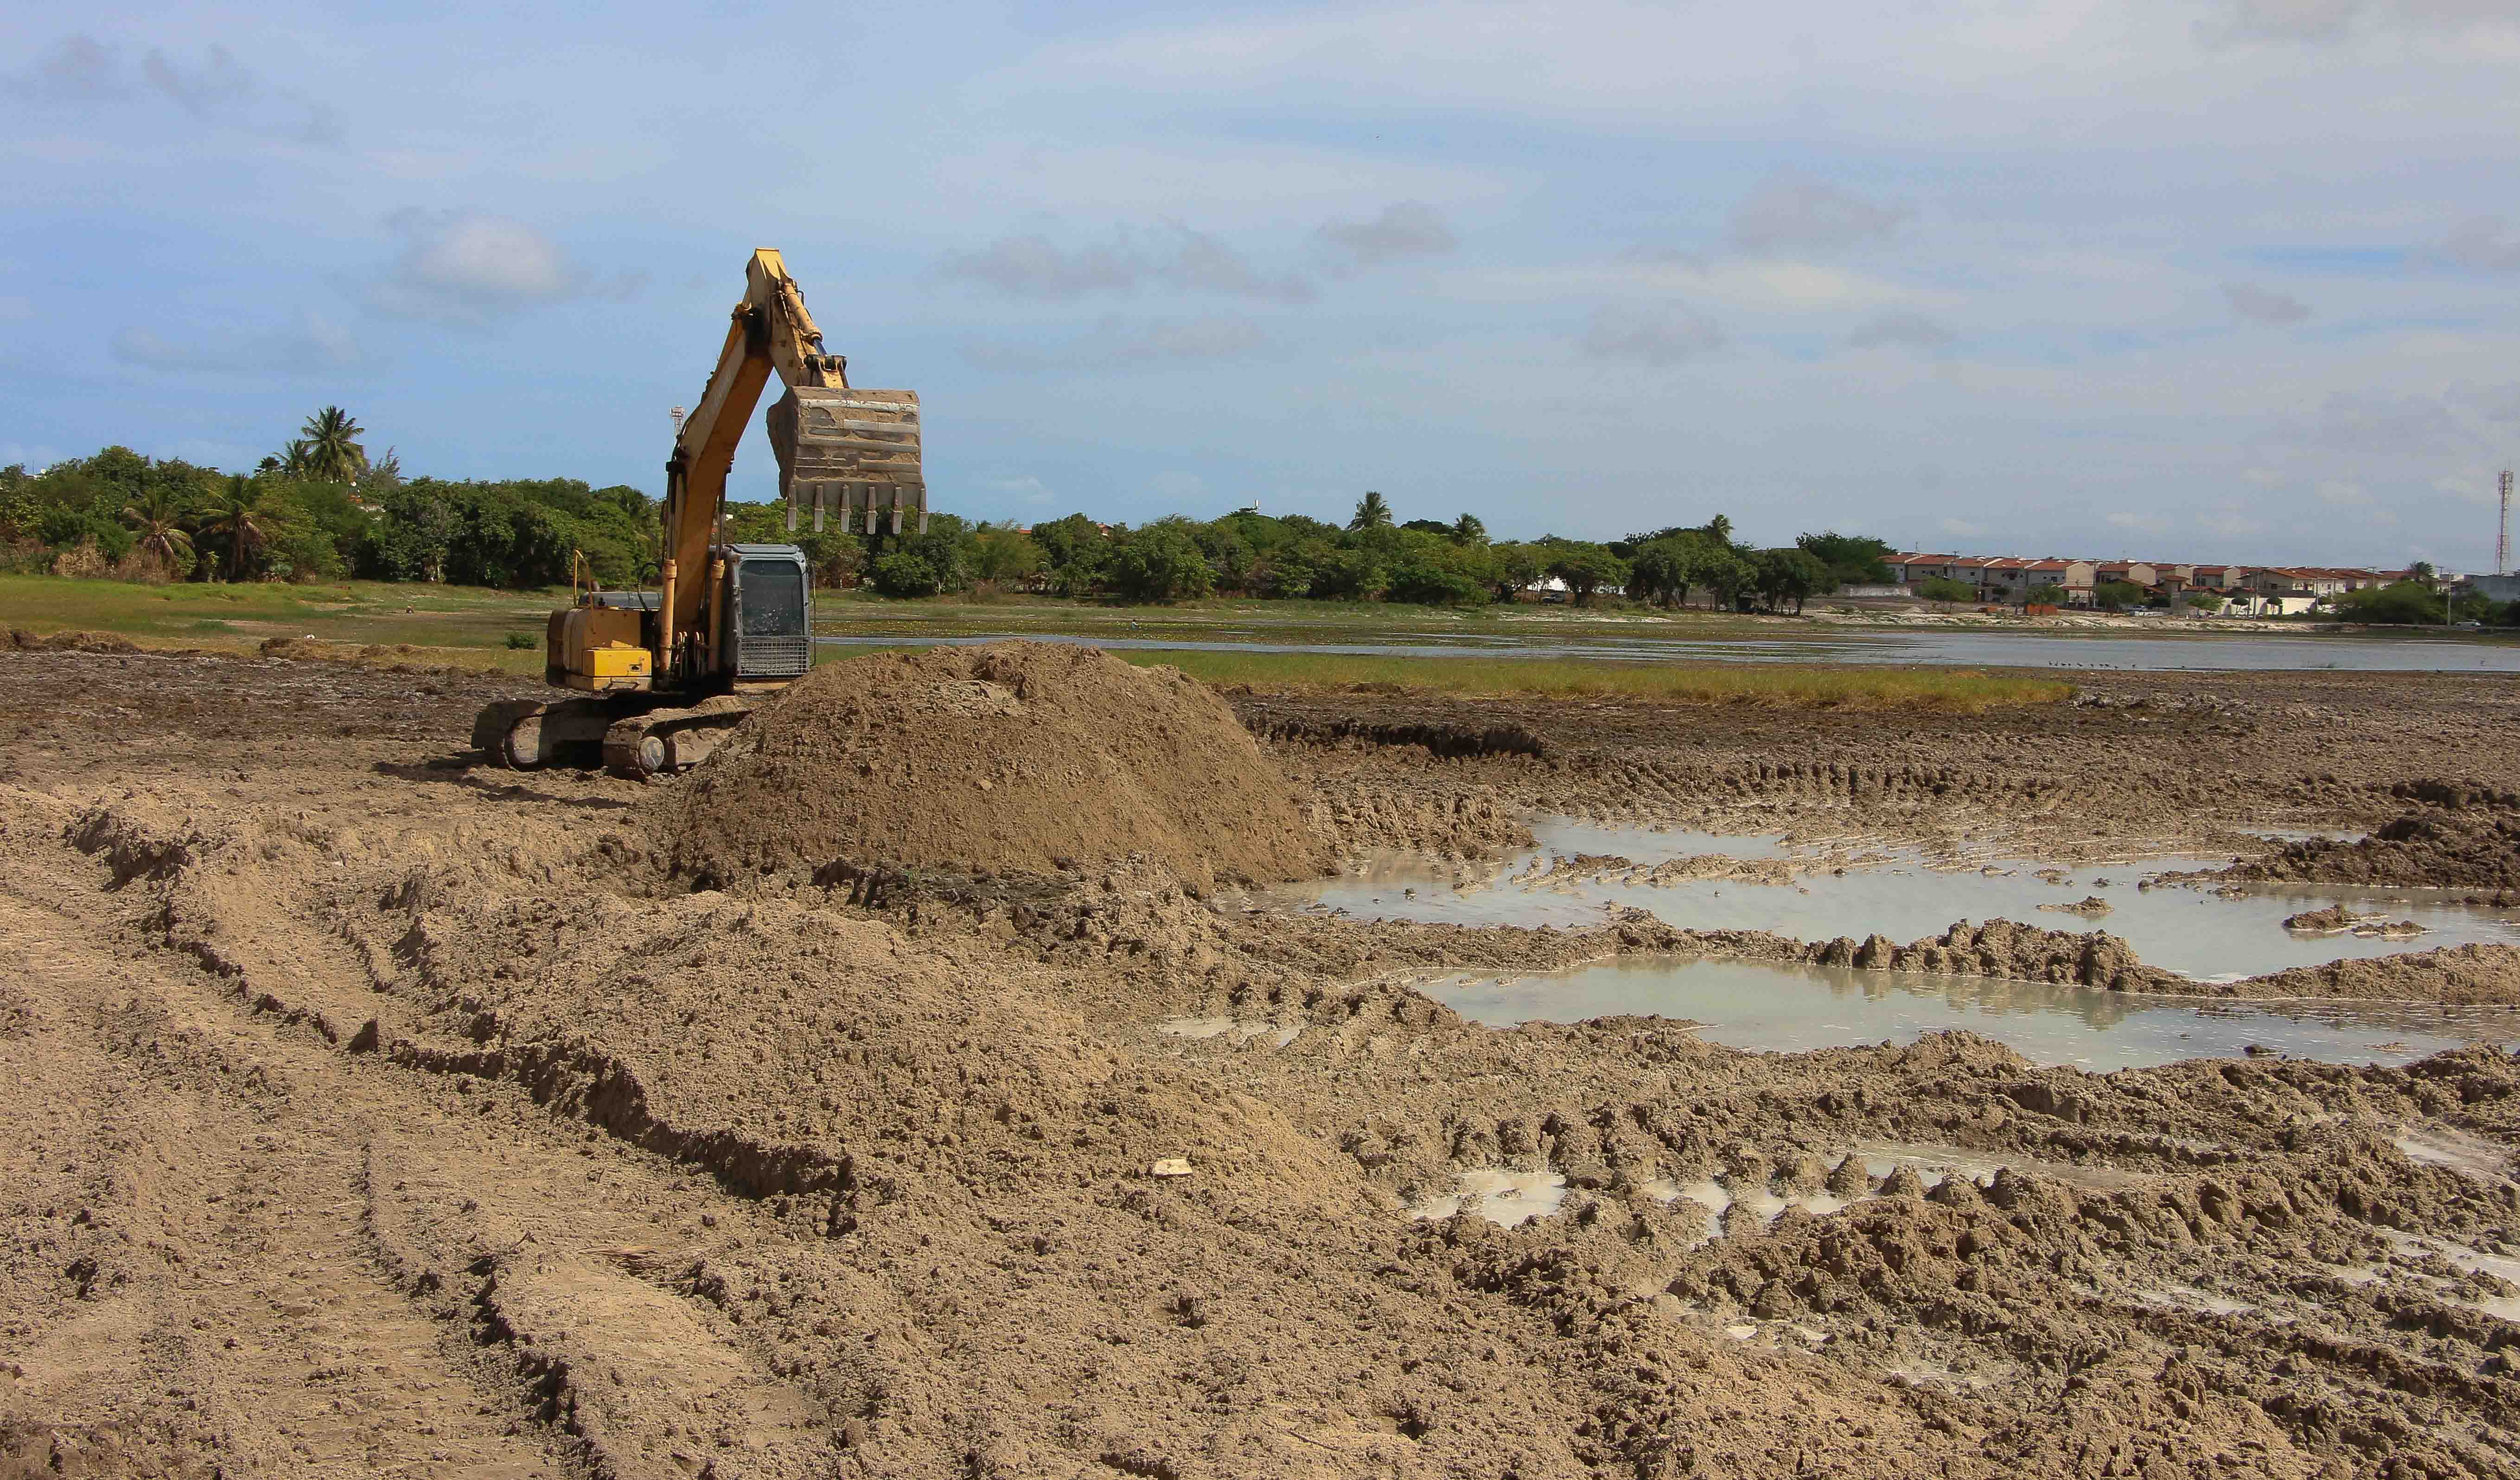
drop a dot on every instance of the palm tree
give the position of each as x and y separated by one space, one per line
1372 513
333 449
234 518
159 521
1469 529
297 460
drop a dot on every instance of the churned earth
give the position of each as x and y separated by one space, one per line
383 1114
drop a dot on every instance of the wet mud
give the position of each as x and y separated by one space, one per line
390 1115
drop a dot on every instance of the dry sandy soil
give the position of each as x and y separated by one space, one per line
380 1114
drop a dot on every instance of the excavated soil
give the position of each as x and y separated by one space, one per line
383 1114
2457 844
1024 756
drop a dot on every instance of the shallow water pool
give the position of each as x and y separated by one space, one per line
1749 1005
1894 893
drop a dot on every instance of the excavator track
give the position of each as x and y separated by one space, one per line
527 735
661 741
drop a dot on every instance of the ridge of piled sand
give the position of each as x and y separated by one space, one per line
1022 756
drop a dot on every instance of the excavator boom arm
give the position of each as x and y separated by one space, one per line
770 331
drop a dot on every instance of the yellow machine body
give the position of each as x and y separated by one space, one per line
597 648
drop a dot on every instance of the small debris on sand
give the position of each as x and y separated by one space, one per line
2089 907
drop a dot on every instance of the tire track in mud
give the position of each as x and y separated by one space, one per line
327 1316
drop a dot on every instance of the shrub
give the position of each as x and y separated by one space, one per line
1160 563
903 575
519 642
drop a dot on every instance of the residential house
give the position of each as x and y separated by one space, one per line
2133 572
1907 568
2284 580
1970 570
2006 578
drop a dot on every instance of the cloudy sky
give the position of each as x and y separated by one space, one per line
2211 279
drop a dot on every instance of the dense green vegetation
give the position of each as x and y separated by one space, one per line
321 510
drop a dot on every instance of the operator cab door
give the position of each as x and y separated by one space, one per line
771 615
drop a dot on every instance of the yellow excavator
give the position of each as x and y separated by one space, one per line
663 675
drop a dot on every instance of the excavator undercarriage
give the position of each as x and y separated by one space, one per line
664 676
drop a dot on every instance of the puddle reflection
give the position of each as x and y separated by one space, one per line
1747 1004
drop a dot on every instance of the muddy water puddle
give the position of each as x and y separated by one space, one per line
1817 890
1781 1008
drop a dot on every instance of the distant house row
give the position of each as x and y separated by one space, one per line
2246 590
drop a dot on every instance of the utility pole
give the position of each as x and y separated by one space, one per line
2502 530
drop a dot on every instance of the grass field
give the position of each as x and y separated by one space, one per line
470 627
461 624
1781 685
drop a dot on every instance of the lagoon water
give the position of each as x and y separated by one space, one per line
1892 891
1747 1004
2192 652
2184 929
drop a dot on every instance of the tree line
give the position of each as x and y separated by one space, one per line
322 509
319 510
1372 557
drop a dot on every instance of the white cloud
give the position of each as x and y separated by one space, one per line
314 345
1912 331
2145 523
2329 20
216 89
15 306
1797 214
1960 528
216 85
473 269
1034 267
2340 493
77 70
1655 334
2481 244
2263 305
1216 337
1024 488
1125 343
1205 264
1405 229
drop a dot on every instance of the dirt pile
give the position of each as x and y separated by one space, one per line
1019 756
69 641
2001 948
2454 847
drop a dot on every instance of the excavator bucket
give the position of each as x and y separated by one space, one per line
853 453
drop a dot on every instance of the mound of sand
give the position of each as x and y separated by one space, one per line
68 640
2451 847
1022 756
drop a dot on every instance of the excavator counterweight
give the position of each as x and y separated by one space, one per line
663 675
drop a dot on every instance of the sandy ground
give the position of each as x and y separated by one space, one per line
383 1115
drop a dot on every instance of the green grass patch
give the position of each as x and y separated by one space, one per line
1783 685
347 611
1965 691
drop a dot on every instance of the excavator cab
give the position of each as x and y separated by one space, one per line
768 615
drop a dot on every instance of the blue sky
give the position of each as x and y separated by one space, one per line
2208 278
